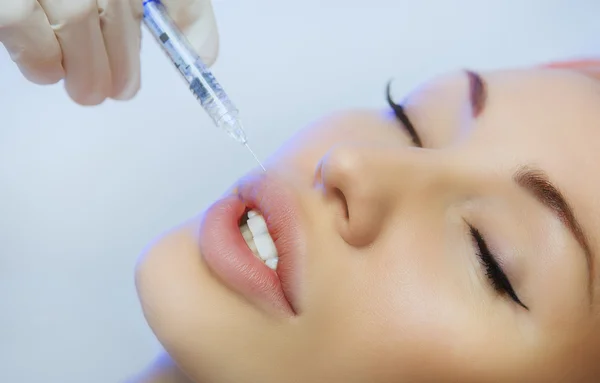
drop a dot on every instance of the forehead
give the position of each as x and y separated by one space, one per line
553 103
550 119
546 118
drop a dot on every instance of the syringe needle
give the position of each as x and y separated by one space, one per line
254 155
201 81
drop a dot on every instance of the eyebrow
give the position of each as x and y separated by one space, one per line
537 183
477 93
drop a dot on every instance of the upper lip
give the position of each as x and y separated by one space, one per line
272 198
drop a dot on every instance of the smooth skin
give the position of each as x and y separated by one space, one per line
402 296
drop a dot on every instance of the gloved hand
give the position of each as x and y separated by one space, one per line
94 45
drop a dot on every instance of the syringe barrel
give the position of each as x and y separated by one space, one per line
200 79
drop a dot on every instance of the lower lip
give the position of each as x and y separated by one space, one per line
226 253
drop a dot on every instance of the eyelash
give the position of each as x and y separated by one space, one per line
493 271
402 117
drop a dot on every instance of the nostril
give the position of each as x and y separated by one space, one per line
331 191
348 180
339 195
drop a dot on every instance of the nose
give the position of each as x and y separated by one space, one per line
370 182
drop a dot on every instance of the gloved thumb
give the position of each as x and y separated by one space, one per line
196 19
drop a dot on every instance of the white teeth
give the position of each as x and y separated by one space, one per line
272 263
259 240
265 246
246 233
257 225
252 246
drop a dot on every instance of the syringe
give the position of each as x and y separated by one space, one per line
201 81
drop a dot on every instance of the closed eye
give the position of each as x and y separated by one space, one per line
493 271
403 118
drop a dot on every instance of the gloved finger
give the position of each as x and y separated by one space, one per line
196 19
30 41
121 27
77 26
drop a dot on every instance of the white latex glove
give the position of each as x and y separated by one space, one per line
94 45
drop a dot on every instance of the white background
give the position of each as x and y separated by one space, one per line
84 190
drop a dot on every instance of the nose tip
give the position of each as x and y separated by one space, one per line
348 175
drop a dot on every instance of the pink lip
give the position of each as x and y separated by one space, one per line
227 255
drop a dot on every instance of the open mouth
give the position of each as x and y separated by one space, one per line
256 234
252 241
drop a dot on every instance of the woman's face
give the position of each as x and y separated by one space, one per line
468 259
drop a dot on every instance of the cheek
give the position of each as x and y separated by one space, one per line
420 295
414 306
392 306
